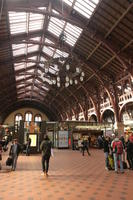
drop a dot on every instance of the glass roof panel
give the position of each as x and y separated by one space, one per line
45 88
59 53
17 22
29 64
69 2
52 71
49 51
20 85
32 48
47 80
36 21
33 58
36 38
19 66
49 41
43 59
85 7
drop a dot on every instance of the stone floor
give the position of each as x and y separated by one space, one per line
71 177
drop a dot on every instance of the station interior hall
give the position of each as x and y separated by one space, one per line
66 99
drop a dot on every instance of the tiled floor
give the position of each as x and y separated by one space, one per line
71 177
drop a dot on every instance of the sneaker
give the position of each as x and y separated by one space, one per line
47 174
107 168
42 174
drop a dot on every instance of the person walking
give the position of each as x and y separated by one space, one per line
45 147
130 153
14 153
106 152
28 146
85 146
0 155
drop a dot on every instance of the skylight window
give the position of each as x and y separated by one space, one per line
85 7
18 66
32 48
29 64
45 88
59 53
48 50
42 59
56 26
18 49
69 2
36 21
72 33
17 22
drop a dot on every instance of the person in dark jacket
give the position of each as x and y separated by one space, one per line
0 155
14 153
28 146
85 146
130 153
45 147
106 151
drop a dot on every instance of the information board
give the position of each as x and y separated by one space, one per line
63 139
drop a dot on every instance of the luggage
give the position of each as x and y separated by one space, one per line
9 161
111 162
124 165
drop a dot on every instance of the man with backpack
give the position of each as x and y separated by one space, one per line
45 147
117 147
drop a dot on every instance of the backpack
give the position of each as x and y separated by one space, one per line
47 149
119 147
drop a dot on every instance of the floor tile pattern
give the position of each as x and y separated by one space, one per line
71 177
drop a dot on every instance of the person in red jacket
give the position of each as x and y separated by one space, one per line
117 147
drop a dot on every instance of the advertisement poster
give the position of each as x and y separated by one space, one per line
63 139
33 140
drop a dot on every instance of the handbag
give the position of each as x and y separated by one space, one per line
9 161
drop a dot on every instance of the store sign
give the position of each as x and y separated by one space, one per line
63 139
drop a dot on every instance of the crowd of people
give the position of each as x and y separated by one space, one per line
117 151
14 151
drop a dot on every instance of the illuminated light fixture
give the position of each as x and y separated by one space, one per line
82 74
76 82
67 67
58 84
58 78
71 81
46 70
81 78
67 78
77 69
54 81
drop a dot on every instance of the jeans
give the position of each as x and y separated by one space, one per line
118 157
106 159
14 163
45 163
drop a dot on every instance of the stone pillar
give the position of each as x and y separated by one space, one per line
119 128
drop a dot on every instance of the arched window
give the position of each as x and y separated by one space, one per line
28 116
18 117
38 118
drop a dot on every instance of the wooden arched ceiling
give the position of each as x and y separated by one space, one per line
102 43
